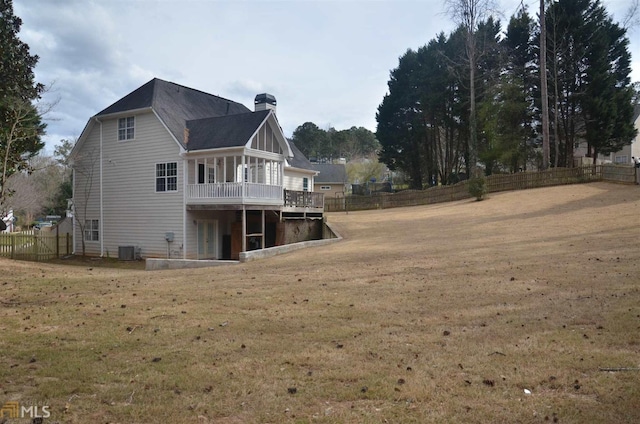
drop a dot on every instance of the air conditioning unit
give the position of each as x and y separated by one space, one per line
126 253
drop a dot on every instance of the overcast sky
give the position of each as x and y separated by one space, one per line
327 62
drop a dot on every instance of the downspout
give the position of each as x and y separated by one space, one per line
101 197
73 205
185 163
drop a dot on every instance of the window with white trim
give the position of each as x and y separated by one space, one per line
91 230
167 176
622 159
126 128
325 187
305 184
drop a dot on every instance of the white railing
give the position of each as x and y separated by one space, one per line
234 191
263 191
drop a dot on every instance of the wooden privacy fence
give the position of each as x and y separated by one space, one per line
494 183
34 245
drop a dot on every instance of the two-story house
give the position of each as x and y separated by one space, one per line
170 171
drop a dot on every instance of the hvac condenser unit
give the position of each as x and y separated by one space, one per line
126 253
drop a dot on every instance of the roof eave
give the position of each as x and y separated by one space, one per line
124 113
306 171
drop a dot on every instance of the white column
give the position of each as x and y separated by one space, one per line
242 173
195 171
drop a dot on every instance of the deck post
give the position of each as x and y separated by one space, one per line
244 228
263 229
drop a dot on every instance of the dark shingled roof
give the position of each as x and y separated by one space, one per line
330 173
299 160
175 104
636 112
223 131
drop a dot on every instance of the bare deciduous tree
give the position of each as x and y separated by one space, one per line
632 16
84 168
468 14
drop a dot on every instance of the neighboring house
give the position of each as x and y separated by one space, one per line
633 149
297 175
64 226
7 222
331 179
169 171
621 157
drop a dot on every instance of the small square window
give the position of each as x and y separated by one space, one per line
126 128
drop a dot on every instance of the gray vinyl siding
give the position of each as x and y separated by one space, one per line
133 213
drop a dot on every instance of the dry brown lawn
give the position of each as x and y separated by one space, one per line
441 313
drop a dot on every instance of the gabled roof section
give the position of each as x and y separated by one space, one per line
175 104
224 131
299 160
137 99
330 173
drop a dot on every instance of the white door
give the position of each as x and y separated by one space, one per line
207 243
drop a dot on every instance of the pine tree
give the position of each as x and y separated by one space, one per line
607 106
400 130
20 122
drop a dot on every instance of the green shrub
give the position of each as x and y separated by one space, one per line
478 187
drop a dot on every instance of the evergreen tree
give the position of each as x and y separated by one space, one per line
489 69
594 102
311 140
400 129
517 94
607 106
326 146
20 122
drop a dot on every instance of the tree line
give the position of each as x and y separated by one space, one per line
472 98
322 145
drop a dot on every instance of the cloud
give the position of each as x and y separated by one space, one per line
84 61
327 62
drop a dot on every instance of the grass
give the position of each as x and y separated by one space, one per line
442 313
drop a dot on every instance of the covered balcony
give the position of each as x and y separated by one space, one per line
242 179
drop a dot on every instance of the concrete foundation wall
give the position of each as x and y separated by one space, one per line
154 264
330 237
298 230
